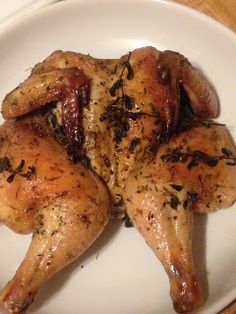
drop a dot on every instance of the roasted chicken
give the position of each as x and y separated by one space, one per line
87 134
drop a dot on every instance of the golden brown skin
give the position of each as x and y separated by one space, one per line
160 196
153 89
213 182
44 88
133 111
100 73
203 98
63 204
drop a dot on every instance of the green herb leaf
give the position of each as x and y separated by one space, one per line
4 164
115 86
11 178
130 74
128 102
127 220
177 187
191 197
226 152
20 167
174 201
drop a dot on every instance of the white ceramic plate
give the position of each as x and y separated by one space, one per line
14 9
120 273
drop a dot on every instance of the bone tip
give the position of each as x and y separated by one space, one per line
189 303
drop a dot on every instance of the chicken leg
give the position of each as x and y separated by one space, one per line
161 195
167 229
66 206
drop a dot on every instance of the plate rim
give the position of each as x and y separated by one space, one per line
11 24
170 3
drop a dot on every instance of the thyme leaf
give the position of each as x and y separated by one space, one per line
11 178
21 166
29 174
174 201
130 74
119 120
176 155
128 101
127 220
5 165
226 152
191 197
115 86
59 135
231 163
177 187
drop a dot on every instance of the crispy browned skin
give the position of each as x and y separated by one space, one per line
130 128
63 204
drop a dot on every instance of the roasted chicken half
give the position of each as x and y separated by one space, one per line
134 132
